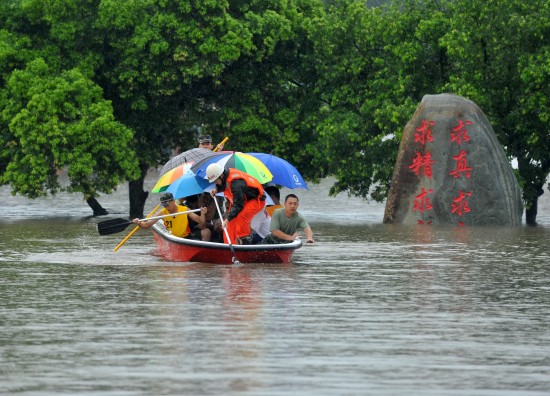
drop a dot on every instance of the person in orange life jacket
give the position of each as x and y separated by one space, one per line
246 198
177 225
275 195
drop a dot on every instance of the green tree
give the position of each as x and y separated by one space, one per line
375 64
171 66
499 53
54 116
269 97
55 122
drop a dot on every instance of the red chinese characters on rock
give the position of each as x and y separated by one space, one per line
460 133
460 204
423 162
422 165
462 167
422 201
424 133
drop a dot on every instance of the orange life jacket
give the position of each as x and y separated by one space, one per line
249 180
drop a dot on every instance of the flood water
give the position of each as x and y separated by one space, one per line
369 309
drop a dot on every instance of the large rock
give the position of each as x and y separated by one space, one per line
451 169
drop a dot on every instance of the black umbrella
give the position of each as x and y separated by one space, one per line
193 155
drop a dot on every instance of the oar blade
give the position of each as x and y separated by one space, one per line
112 226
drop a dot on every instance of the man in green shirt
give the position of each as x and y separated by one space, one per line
286 222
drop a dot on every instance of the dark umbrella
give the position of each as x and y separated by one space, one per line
193 155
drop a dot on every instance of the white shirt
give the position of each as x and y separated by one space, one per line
261 222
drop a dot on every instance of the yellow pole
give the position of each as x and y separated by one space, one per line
222 143
154 210
134 230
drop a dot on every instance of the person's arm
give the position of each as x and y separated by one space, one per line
147 223
281 235
200 220
309 235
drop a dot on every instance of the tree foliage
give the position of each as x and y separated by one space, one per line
54 116
375 66
499 52
53 122
328 85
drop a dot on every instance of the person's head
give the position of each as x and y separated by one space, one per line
206 199
291 203
214 173
205 141
274 193
192 201
167 199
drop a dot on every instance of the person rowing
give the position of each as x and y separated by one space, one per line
177 225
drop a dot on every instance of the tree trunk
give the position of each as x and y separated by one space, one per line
531 212
532 208
96 207
137 195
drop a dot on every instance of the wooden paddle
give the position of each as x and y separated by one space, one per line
133 231
113 226
235 260
148 216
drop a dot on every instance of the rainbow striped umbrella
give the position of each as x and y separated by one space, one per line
241 161
171 176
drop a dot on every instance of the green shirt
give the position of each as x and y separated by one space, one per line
289 226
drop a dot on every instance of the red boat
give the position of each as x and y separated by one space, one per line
180 249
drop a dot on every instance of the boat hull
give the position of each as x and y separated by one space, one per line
187 250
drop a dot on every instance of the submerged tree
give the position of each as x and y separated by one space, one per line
54 116
375 64
328 85
175 65
51 123
499 52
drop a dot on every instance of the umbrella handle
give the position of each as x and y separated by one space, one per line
134 230
222 143
235 260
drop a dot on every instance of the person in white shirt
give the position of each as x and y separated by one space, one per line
260 226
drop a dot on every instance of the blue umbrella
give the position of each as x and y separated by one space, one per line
189 184
284 173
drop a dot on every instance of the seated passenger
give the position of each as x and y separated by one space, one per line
197 230
176 225
275 195
286 222
259 225
212 217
